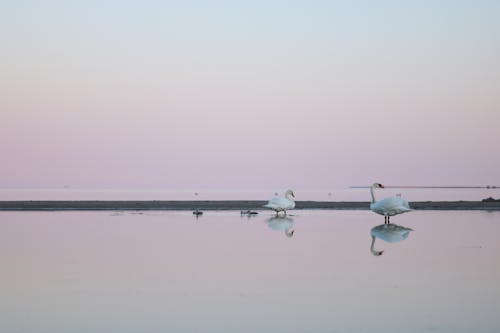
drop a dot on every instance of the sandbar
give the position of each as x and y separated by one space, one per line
228 205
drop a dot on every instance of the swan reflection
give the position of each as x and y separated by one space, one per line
390 233
281 223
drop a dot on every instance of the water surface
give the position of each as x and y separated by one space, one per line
335 194
170 272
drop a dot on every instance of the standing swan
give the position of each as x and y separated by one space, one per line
279 203
389 206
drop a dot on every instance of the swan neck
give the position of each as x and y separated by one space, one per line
373 195
373 244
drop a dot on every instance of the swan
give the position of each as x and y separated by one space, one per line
389 206
282 223
390 233
279 203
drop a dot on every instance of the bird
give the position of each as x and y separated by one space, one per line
197 213
248 213
282 203
282 223
389 206
390 233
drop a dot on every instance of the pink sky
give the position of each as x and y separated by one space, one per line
249 96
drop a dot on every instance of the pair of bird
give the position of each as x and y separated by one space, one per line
388 207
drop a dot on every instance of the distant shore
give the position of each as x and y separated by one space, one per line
228 205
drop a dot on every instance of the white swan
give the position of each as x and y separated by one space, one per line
390 233
284 203
389 206
282 223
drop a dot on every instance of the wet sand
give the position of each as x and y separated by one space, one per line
229 205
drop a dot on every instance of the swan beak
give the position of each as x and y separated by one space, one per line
382 186
293 195
289 233
377 253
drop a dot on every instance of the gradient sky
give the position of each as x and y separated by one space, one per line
249 94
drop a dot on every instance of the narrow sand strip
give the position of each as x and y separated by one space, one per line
228 205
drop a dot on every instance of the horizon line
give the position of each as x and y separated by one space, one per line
436 186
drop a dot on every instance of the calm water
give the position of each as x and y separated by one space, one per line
170 272
338 194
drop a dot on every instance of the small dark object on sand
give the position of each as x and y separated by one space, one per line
248 212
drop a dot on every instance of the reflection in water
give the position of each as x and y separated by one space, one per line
87 271
282 223
391 233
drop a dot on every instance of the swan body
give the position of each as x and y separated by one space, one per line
389 206
390 233
282 203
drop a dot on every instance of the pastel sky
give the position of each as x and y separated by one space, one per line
249 94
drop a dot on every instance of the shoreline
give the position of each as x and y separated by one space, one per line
110 205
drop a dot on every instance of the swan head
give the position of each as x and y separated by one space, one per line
289 192
289 233
377 185
376 253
